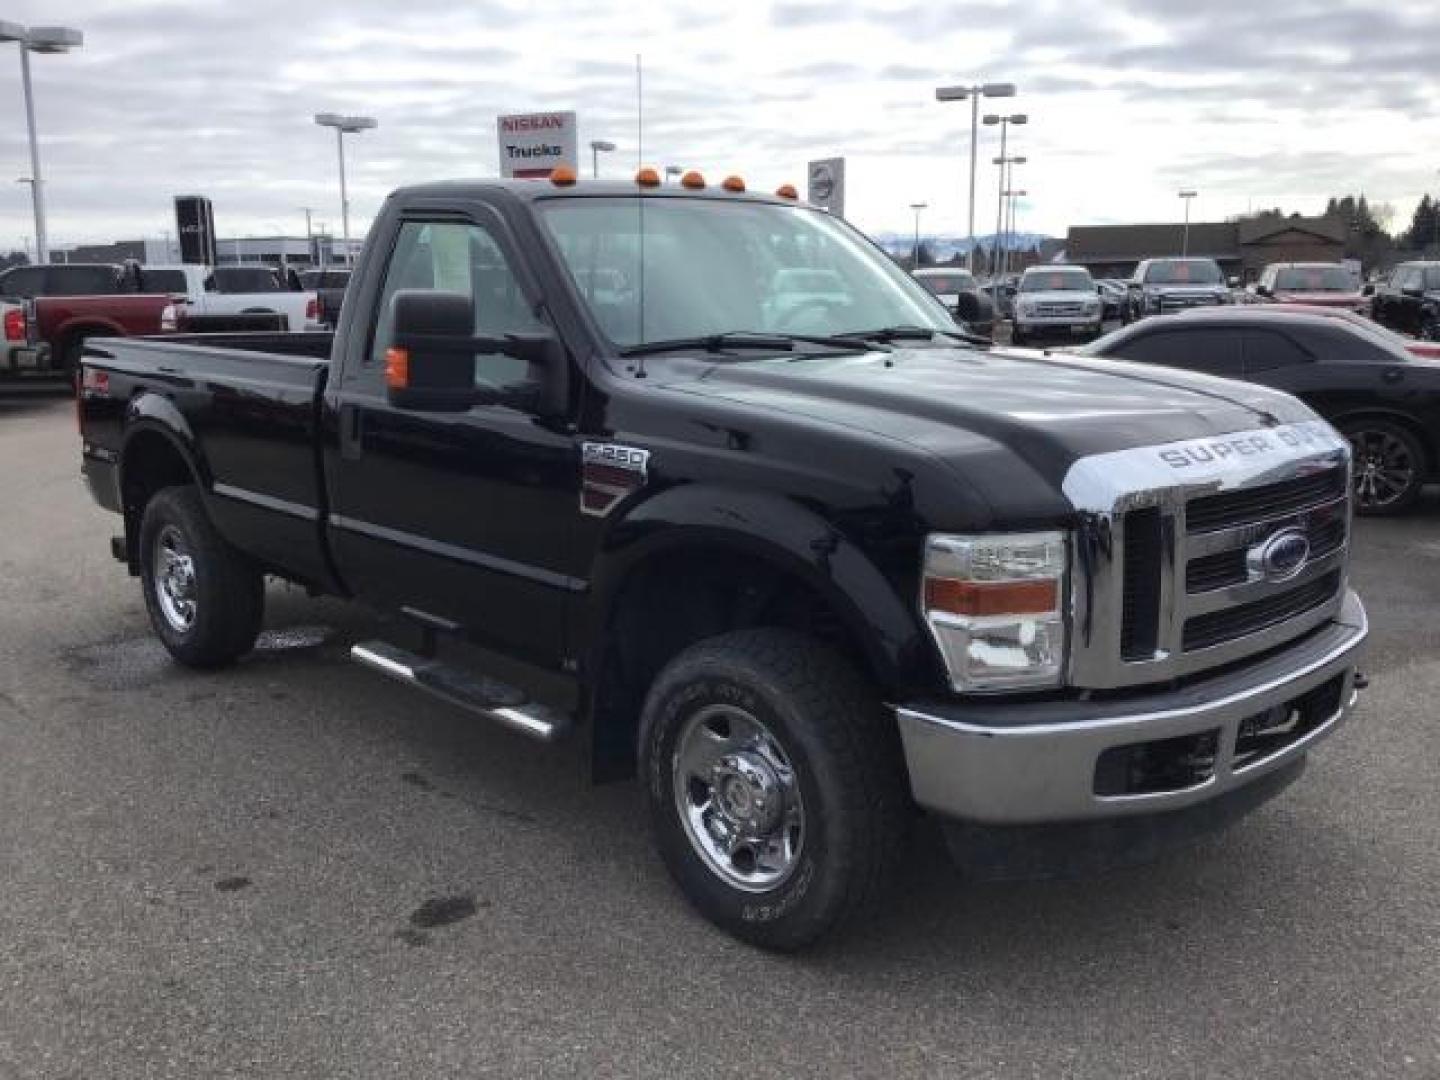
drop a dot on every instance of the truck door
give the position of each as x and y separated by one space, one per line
466 516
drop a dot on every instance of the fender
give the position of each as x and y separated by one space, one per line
151 412
88 325
781 532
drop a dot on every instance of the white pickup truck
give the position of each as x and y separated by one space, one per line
230 290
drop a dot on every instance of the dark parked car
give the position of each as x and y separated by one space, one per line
1380 397
1409 300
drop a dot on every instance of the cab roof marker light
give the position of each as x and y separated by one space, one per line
647 177
787 191
562 176
733 183
692 180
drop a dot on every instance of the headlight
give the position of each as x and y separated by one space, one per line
995 605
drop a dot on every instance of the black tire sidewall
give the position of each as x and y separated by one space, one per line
1417 453
799 908
226 605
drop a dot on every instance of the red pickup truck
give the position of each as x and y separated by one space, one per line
66 304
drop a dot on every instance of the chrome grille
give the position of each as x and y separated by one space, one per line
1176 577
1056 309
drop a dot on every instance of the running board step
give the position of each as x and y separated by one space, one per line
480 696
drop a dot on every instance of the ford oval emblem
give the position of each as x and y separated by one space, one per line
1279 558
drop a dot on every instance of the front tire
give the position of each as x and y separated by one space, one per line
1389 466
205 599
775 785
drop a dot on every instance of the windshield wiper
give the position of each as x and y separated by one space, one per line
743 339
914 333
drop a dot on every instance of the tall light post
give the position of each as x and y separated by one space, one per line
1187 194
1011 195
598 147
991 119
1007 180
915 248
38 39
973 94
345 125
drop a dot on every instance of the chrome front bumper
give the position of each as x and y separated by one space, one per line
1012 763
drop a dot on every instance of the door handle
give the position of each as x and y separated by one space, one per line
351 432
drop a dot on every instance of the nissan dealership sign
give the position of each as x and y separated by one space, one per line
531 144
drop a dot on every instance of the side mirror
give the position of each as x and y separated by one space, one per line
1262 290
1413 291
1368 289
1132 286
430 361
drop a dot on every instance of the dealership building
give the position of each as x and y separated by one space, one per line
1242 248
249 250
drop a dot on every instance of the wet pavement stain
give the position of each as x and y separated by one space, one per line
443 911
232 884
414 938
137 663
419 780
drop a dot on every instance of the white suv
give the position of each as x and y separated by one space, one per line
1059 300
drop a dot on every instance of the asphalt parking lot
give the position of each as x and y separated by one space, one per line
294 868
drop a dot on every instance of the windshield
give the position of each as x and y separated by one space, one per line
946 284
1316 279
1058 281
245 279
1183 272
711 267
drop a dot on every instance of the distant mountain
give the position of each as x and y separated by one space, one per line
943 248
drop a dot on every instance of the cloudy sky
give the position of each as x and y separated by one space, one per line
1253 103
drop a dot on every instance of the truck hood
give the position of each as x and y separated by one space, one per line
1009 422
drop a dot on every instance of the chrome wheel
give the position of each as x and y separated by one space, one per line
174 579
1384 468
738 797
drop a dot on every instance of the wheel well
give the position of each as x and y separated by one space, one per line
679 598
1409 423
151 463
72 334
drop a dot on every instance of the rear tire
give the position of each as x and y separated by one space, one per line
72 354
776 786
1390 466
205 599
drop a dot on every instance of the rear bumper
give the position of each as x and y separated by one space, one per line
1012 763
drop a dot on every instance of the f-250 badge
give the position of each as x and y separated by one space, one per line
609 472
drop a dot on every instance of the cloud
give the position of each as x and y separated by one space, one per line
1282 103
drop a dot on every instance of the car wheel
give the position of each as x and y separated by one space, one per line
205 599
1389 466
775 785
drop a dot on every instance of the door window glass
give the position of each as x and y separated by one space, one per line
460 257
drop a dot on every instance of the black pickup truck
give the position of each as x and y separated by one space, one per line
805 561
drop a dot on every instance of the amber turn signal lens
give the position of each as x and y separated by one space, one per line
733 183
992 597
647 177
562 176
397 368
692 180
787 191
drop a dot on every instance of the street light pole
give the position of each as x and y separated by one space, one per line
40 39
345 125
915 249
974 94
1187 194
991 120
597 147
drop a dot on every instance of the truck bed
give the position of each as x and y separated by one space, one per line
248 405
